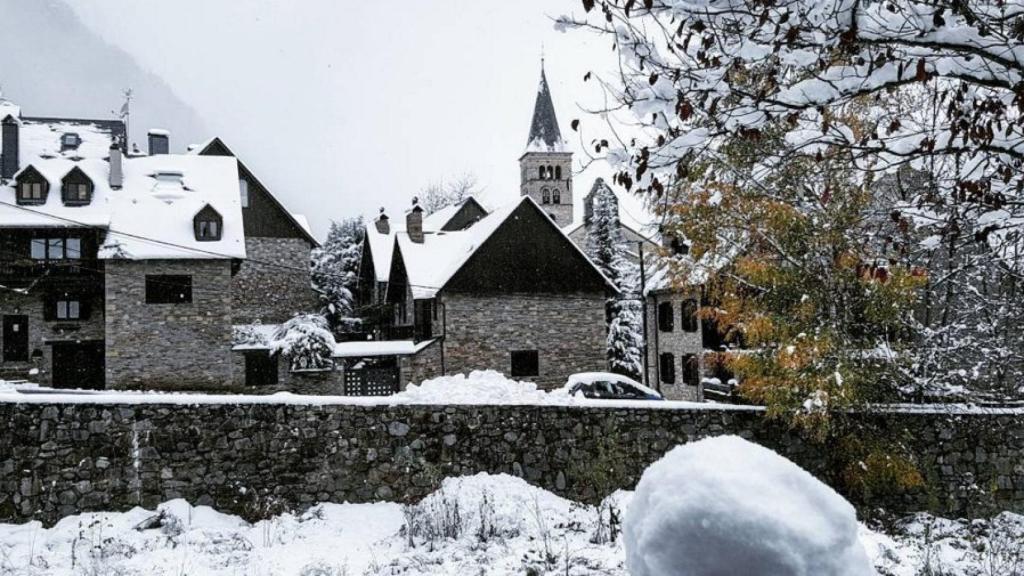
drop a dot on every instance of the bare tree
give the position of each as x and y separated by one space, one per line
438 195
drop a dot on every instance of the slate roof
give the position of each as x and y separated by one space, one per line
544 133
150 216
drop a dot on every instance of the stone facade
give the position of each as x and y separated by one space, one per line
43 332
317 382
422 366
168 346
533 185
272 293
567 330
256 459
682 345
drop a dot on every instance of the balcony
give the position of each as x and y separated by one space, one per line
13 271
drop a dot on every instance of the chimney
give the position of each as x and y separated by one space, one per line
116 170
383 226
414 222
159 142
9 142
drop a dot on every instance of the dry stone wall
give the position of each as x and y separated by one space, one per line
259 459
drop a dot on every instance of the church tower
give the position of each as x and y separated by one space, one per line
546 165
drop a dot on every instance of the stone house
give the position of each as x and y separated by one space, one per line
120 270
510 293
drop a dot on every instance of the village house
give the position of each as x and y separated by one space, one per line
122 270
465 289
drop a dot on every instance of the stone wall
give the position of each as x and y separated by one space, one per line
273 293
168 346
422 366
257 459
567 330
677 342
44 333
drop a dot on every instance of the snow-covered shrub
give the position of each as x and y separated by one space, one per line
306 340
727 506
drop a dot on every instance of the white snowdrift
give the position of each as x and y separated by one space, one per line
480 387
727 506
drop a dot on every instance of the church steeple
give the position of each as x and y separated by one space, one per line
544 133
546 165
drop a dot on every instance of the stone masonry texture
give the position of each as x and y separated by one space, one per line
168 346
567 330
272 293
259 459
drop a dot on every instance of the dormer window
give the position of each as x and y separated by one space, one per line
208 224
32 187
69 141
76 188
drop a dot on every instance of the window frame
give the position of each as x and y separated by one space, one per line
243 192
159 286
516 367
545 196
666 320
556 196
691 369
689 321
667 368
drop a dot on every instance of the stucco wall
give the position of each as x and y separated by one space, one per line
567 330
254 459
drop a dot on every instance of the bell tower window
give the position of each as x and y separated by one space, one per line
545 196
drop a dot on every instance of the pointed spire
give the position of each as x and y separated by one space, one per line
544 133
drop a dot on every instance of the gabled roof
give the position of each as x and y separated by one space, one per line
299 222
441 219
147 218
381 247
544 133
431 264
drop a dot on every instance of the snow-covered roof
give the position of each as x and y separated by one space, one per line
381 246
436 220
9 109
367 348
150 216
430 264
303 222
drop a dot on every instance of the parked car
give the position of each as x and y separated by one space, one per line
608 386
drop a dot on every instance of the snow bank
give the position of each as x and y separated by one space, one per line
480 387
726 506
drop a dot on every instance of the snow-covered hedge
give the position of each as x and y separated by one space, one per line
727 506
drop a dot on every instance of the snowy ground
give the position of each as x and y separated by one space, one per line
494 525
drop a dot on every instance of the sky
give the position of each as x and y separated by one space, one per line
342 107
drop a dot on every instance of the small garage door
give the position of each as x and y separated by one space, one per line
78 365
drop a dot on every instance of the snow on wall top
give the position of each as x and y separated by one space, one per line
9 109
150 216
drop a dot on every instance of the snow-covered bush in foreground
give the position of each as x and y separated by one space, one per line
727 506
306 340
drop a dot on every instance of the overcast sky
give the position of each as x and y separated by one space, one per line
342 107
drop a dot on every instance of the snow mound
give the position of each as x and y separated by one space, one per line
726 506
480 387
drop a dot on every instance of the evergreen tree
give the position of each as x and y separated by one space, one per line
607 247
335 269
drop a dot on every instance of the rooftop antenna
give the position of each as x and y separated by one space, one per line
125 114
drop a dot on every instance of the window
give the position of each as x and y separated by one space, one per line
665 320
208 225
558 172
168 289
688 315
69 309
556 196
667 367
73 248
545 196
69 141
691 370
39 248
56 248
525 363
31 193
540 172
243 188
76 193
